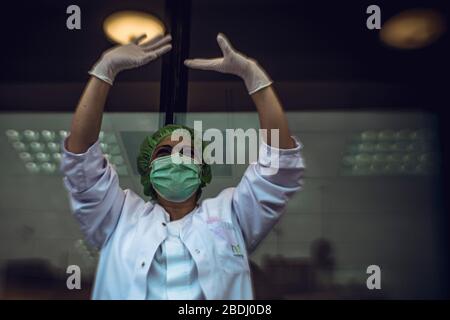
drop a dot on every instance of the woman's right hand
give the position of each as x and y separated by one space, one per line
129 56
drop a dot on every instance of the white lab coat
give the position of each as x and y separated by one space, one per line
220 234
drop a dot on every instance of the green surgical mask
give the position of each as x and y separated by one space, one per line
175 177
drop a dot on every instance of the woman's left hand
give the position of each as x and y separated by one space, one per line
234 62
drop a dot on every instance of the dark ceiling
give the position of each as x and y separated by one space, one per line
294 40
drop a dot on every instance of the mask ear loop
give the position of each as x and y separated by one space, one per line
151 161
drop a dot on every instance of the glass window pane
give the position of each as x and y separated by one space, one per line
381 207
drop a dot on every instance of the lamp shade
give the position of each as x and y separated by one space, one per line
124 26
413 29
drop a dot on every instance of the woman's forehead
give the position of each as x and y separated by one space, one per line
168 141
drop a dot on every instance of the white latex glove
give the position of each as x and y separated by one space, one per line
129 56
234 62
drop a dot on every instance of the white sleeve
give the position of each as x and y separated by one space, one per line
96 198
259 199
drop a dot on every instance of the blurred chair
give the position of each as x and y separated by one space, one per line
323 264
289 275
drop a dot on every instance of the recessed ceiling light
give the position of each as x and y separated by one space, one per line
63 134
37 146
25 156
53 147
32 167
57 157
13 135
42 157
19 146
413 29
31 135
48 135
48 167
389 152
40 151
124 26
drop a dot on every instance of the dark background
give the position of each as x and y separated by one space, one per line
296 40
319 53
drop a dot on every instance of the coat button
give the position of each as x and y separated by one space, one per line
143 264
197 251
164 224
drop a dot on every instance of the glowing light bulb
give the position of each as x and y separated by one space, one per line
104 147
63 134
53 147
36 146
359 169
31 135
124 26
383 147
48 135
42 157
386 135
368 135
32 167
56 157
380 157
12 135
19 146
366 147
48 167
402 135
363 158
25 156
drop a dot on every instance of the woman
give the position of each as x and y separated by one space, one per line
173 247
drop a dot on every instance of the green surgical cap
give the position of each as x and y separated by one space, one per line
146 151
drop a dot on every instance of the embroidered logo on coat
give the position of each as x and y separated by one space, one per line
227 232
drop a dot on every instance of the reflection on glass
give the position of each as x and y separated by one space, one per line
53 147
56 157
404 151
25 156
48 135
31 135
19 146
48 167
37 146
12 135
42 157
63 134
32 167
369 135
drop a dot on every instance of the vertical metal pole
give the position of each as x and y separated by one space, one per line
174 77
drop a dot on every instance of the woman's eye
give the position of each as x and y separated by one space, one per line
162 153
